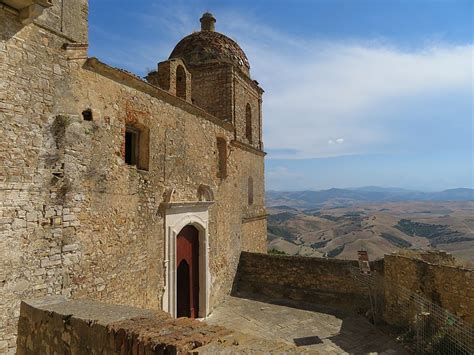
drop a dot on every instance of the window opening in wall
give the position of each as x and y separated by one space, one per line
132 136
222 157
181 82
250 190
137 146
87 115
248 123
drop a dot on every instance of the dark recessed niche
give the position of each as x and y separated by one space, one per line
87 115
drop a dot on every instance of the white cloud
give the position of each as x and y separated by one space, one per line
336 141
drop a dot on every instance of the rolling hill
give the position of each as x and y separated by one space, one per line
336 223
346 197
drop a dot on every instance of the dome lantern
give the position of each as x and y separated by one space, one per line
208 22
210 47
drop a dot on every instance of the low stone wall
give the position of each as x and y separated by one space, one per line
448 286
431 275
314 280
53 325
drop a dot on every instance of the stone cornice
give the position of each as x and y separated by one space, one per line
247 148
187 204
254 218
135 82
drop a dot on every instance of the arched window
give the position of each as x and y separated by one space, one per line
248 123
181 82
250 190
222 157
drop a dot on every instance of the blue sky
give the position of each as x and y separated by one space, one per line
357 92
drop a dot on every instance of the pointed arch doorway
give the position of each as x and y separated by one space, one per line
187 272
178 216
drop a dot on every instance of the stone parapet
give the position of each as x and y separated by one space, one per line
332 282
54 325
432 276
314 280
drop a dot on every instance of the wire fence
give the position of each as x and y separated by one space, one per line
427 327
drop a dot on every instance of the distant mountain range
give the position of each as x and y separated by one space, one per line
347 197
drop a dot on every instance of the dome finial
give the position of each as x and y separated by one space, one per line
208 22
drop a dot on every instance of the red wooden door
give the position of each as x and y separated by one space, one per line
187 264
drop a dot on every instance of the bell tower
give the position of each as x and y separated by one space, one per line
220 80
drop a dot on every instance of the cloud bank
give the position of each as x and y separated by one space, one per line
322 91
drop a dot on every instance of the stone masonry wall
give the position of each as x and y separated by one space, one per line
75 220
53 325
183 157
68 18
34 242
212 90
314 280
330 282
252 241
246 93
83 327
451 287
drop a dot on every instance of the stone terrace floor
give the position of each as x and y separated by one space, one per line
326 330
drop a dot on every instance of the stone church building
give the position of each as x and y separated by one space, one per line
121 189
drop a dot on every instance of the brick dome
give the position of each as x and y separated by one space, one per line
208 46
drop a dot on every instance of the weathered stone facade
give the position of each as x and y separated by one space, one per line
75 218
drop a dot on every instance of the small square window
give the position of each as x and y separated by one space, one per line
87 115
